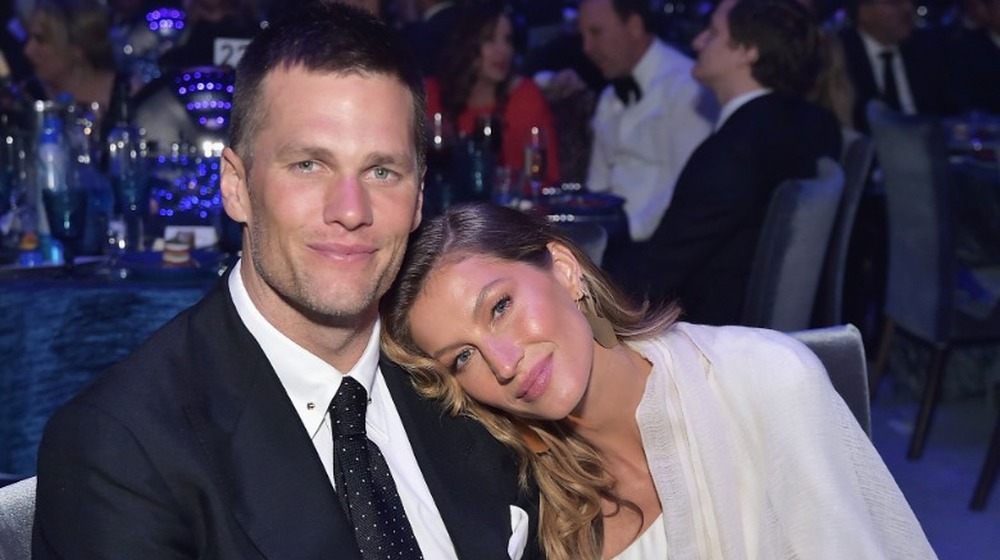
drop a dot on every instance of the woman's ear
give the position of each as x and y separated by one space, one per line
567 269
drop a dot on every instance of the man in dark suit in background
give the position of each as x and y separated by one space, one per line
976 56
213 439
430 33
888 60
759 57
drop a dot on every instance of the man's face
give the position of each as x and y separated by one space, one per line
333 193
720 61
889 22
615 46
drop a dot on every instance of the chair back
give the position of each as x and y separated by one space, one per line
782 288
921 269
856 161
17 517
842 352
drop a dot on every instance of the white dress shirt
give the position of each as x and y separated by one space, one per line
640 149
311 384
874 49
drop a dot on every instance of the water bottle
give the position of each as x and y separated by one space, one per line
51 166
126 168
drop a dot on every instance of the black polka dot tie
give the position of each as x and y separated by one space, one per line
364 483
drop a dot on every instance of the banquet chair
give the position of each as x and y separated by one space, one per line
929 294
17 516
856 161
842 352
785 273
590 237
988 474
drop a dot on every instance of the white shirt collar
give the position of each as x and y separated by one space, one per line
874 48
309 381
433 10
655 62
735 103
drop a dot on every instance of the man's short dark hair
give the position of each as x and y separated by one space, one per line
625 8
325 37
787 39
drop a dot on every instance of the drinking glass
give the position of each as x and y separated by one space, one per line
535 154
130 183
442 144
66 210
440 165
488 133
535 162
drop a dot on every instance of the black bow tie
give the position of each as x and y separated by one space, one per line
627 89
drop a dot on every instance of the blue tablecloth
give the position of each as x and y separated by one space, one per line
56 335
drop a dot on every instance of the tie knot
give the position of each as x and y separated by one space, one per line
627 89
347 411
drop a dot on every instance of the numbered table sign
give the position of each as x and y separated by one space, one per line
228 51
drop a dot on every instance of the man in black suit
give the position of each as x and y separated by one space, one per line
976 56
886 59
759 57
213 439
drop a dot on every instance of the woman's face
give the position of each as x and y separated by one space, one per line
48 49
510 332
496 53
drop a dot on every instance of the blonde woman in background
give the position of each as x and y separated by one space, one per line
69 47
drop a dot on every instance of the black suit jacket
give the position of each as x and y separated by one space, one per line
927 72
976 61
190 448
702 250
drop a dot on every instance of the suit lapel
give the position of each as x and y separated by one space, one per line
466 470
258 448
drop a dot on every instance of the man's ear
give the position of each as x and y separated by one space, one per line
635 27
233 181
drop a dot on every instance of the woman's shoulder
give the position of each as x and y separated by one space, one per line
759 367
749 347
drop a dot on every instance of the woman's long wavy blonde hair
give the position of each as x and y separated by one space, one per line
568 470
